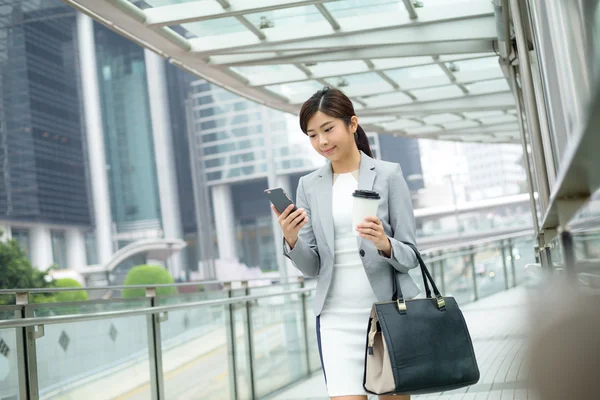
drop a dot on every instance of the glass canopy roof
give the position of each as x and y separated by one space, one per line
424 68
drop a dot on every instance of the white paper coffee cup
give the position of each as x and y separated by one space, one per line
365 203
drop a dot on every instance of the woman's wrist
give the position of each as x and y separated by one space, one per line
292 243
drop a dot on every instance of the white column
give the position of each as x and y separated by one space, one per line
224 221
95 139
75 242
163 153
5 232
41 247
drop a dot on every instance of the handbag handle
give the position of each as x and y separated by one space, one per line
399 297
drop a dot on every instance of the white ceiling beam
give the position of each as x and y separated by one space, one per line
484 129
486 102
266 80
202 10
403 50
481 28
410 8
327 15
313 32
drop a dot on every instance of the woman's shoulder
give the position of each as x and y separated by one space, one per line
387 167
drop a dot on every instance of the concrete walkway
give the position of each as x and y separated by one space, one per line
498 329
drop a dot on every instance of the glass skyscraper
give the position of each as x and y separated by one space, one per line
127 127
42 162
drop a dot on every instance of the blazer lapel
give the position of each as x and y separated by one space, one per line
324 196
366 176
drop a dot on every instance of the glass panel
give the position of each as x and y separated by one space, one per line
9 370
195 351
494 86
422 76
489 271
458 278
522 255
214 27
51 309
358 79
297 92
338 68
159 3
270 73
386 63
94 360
311 328
438 93
390 99
441 118
355 8
279 346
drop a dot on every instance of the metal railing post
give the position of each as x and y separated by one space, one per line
28 388
230 328
442 265
249 342
504 266
472 264
305 326
155 348
511 253
31 335
569 257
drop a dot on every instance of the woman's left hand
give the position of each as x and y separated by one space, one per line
372 229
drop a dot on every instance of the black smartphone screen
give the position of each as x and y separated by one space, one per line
279 198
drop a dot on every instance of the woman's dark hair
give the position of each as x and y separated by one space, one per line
337 105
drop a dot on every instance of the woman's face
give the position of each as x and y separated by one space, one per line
330 136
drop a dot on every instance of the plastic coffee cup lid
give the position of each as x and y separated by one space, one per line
366 194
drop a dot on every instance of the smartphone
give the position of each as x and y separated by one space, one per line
280 199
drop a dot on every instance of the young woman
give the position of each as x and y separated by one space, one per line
319 238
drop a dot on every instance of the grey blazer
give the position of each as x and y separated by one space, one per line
313 253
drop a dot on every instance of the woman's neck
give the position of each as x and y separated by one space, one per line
347 164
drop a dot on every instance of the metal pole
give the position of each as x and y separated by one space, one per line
569 258
230 327
512 262
31 357
472 264
530 105
204 228
155 349
23 350
305 327
504 267
519 105
250 344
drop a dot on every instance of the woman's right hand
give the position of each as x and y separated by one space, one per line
291 223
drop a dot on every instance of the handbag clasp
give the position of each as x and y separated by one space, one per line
441 303
401 306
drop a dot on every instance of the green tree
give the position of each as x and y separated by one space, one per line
16 271
148 275
77 295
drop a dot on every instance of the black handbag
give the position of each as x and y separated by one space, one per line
418 346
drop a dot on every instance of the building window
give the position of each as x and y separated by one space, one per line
59 248
22 238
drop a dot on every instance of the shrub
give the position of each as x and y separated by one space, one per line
148 275
78 295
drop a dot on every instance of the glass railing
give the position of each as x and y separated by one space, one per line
236 343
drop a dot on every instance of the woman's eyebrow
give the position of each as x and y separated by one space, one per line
322 125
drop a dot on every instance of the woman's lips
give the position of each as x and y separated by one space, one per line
329 151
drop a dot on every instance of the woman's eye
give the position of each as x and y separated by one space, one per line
312 136
328 129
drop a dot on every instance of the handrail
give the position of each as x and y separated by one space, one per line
481 242
158 285
63 319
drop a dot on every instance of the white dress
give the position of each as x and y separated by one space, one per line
343 321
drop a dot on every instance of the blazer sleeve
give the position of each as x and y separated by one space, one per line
304 255
402 223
